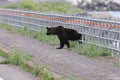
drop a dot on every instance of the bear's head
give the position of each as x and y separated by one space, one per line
54 30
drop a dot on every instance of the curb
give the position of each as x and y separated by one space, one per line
33 65
4 51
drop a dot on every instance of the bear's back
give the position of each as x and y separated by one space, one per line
70 34
70 31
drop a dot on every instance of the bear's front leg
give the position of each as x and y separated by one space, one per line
67 43
61 44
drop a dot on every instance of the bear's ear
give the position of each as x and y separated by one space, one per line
47 28
61 27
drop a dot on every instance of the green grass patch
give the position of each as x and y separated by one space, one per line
16 58
91 50
53 7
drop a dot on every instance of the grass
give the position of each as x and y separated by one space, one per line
83 49
53 7
16 58
92 50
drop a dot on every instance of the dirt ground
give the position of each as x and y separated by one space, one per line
63 62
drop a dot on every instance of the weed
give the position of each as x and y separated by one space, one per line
26 68
17 58
36 71
92 50
24 31
46 76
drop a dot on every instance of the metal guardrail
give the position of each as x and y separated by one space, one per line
98 32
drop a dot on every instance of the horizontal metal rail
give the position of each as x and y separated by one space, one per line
103 33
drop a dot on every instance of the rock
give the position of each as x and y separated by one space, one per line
100 5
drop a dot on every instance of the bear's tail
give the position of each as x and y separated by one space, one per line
79 37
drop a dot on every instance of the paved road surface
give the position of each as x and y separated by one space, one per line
10 72
63 62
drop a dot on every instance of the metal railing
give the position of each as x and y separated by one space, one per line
98 32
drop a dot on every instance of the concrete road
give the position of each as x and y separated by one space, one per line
10 72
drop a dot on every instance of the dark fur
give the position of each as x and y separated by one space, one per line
64 35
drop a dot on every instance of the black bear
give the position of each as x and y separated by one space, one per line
64 35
